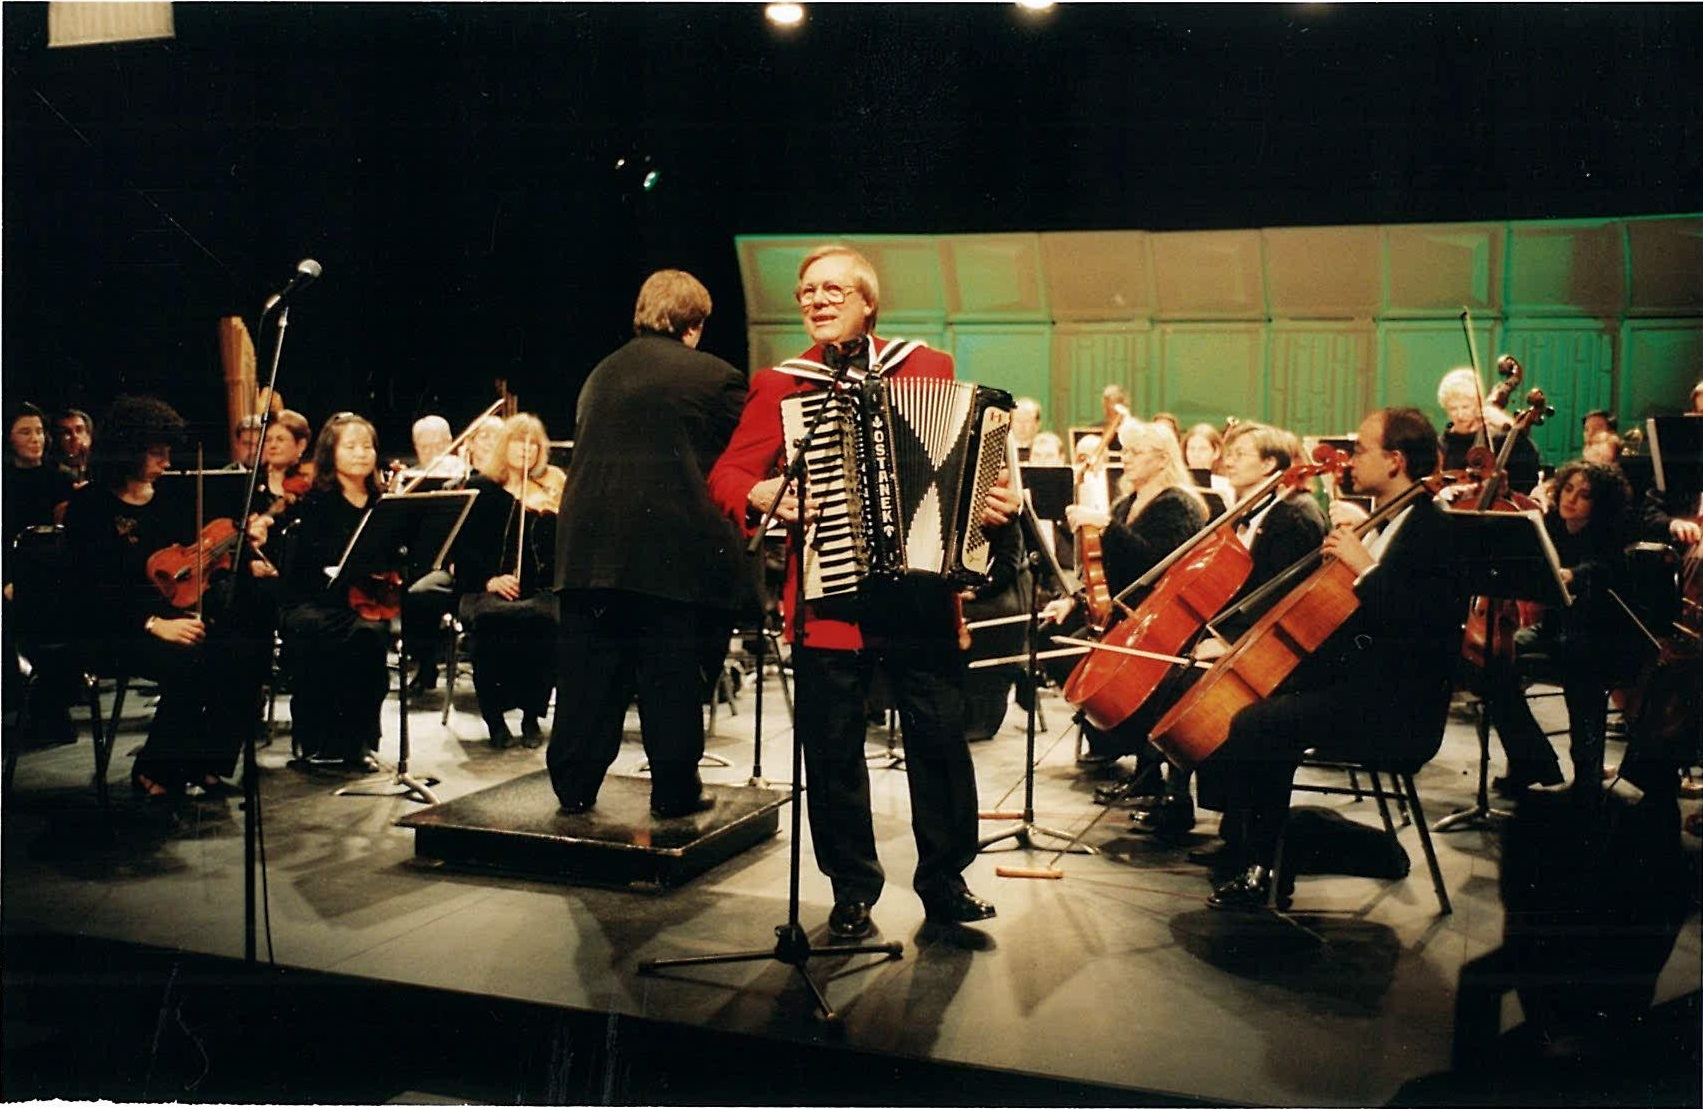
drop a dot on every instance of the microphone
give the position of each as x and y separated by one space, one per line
306 270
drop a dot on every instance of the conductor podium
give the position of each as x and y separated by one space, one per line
517 828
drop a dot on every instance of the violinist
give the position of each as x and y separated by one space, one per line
285 478
340 681
482 444
32 495
1203 451
1025 425
1376 688
73 436
1160 509
1579 646
208 688
431 437
1474 422
505 561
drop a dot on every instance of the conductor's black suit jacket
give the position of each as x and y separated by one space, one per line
636 514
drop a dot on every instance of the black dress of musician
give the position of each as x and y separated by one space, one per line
31 492
1378 687
209 680
339 656
647 567
505 563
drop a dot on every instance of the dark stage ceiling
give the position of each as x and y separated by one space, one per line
471 176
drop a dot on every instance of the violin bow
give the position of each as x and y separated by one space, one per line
1483 438
200 513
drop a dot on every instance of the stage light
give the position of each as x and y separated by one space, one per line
784 15
1035 5
651 179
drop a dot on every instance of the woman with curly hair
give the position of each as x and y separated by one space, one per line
1580 646
340 679
209 688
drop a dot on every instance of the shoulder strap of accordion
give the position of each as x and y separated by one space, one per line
807 370
895 352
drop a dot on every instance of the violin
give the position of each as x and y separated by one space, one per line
378 596
1110 685
298 482
180 571
1090 552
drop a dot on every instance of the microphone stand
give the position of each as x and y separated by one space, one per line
1026 831
792 946
253 830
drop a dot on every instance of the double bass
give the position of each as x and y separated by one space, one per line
1193 584
1264 657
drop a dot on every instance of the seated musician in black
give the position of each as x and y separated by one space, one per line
1290 527
209 676
1379 686
505 560
1161 511
32 496
339 654
1583 646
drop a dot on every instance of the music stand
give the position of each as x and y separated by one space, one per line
1501 556
385 540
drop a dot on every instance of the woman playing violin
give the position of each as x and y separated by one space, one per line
208 692
1159 510
1578 646
284 477
341 679
505 566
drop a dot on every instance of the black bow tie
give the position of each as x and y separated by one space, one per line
854 355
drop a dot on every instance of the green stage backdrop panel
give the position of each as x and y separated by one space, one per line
1086 358
1208 371
1314 273
1665 266
1668 356
1415 354
993 278
1320 374
1436 269
1013 357
1095 276
1566 268
1572 361
1208 275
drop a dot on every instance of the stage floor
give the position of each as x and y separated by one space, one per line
1116 974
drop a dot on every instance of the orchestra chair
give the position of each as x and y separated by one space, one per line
1400 789
103 734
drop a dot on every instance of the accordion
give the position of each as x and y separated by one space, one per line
899 471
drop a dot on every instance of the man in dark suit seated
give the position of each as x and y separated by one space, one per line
1378 687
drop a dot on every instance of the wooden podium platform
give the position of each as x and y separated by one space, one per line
517 828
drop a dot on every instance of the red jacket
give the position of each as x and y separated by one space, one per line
755 453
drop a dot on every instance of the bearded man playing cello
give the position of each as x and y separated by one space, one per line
1378 687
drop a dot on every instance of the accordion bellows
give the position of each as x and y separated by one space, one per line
900 472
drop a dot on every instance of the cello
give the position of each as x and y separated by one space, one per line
1111 684
1290 631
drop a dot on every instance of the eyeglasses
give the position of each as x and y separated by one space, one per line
833 294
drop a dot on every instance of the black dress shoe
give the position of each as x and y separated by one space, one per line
962 907
530 733
499 729
1521 778
1171 816
424 680
1249 890
670 812
850 920
574 808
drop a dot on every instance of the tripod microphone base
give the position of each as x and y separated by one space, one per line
792 947
401 784
1025 834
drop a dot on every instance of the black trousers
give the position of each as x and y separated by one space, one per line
209 702
1254 771
514 651
1585 673
926 681
613 646
340 680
